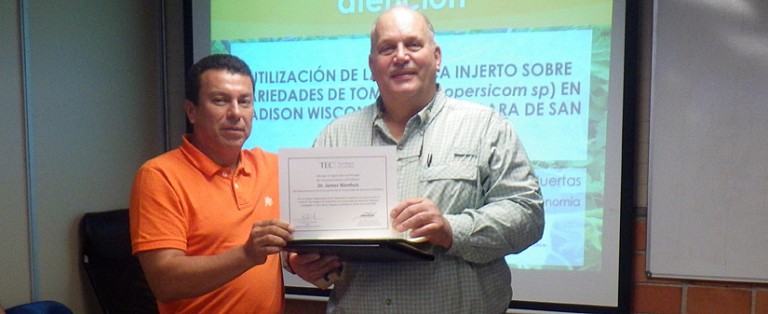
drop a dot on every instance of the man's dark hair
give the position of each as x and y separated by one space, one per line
226 62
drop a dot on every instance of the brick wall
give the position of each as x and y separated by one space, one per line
690 296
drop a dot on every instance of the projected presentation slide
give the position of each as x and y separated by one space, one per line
544 67
549 81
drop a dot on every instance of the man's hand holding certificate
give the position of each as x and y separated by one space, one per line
339 200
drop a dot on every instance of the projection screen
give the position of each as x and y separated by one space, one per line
555 69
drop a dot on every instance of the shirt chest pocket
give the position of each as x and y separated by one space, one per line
452 183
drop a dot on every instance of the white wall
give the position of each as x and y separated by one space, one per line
92 72
14 247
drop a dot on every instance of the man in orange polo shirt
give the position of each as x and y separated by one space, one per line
205 216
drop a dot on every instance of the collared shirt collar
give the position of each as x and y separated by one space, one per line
206 165
425 114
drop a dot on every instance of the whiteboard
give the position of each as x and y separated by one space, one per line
708 156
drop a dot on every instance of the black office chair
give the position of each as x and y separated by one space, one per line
114 273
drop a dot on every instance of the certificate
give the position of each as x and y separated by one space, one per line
338 200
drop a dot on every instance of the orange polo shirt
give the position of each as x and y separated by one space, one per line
183 200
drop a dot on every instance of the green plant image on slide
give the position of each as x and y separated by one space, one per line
595 164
